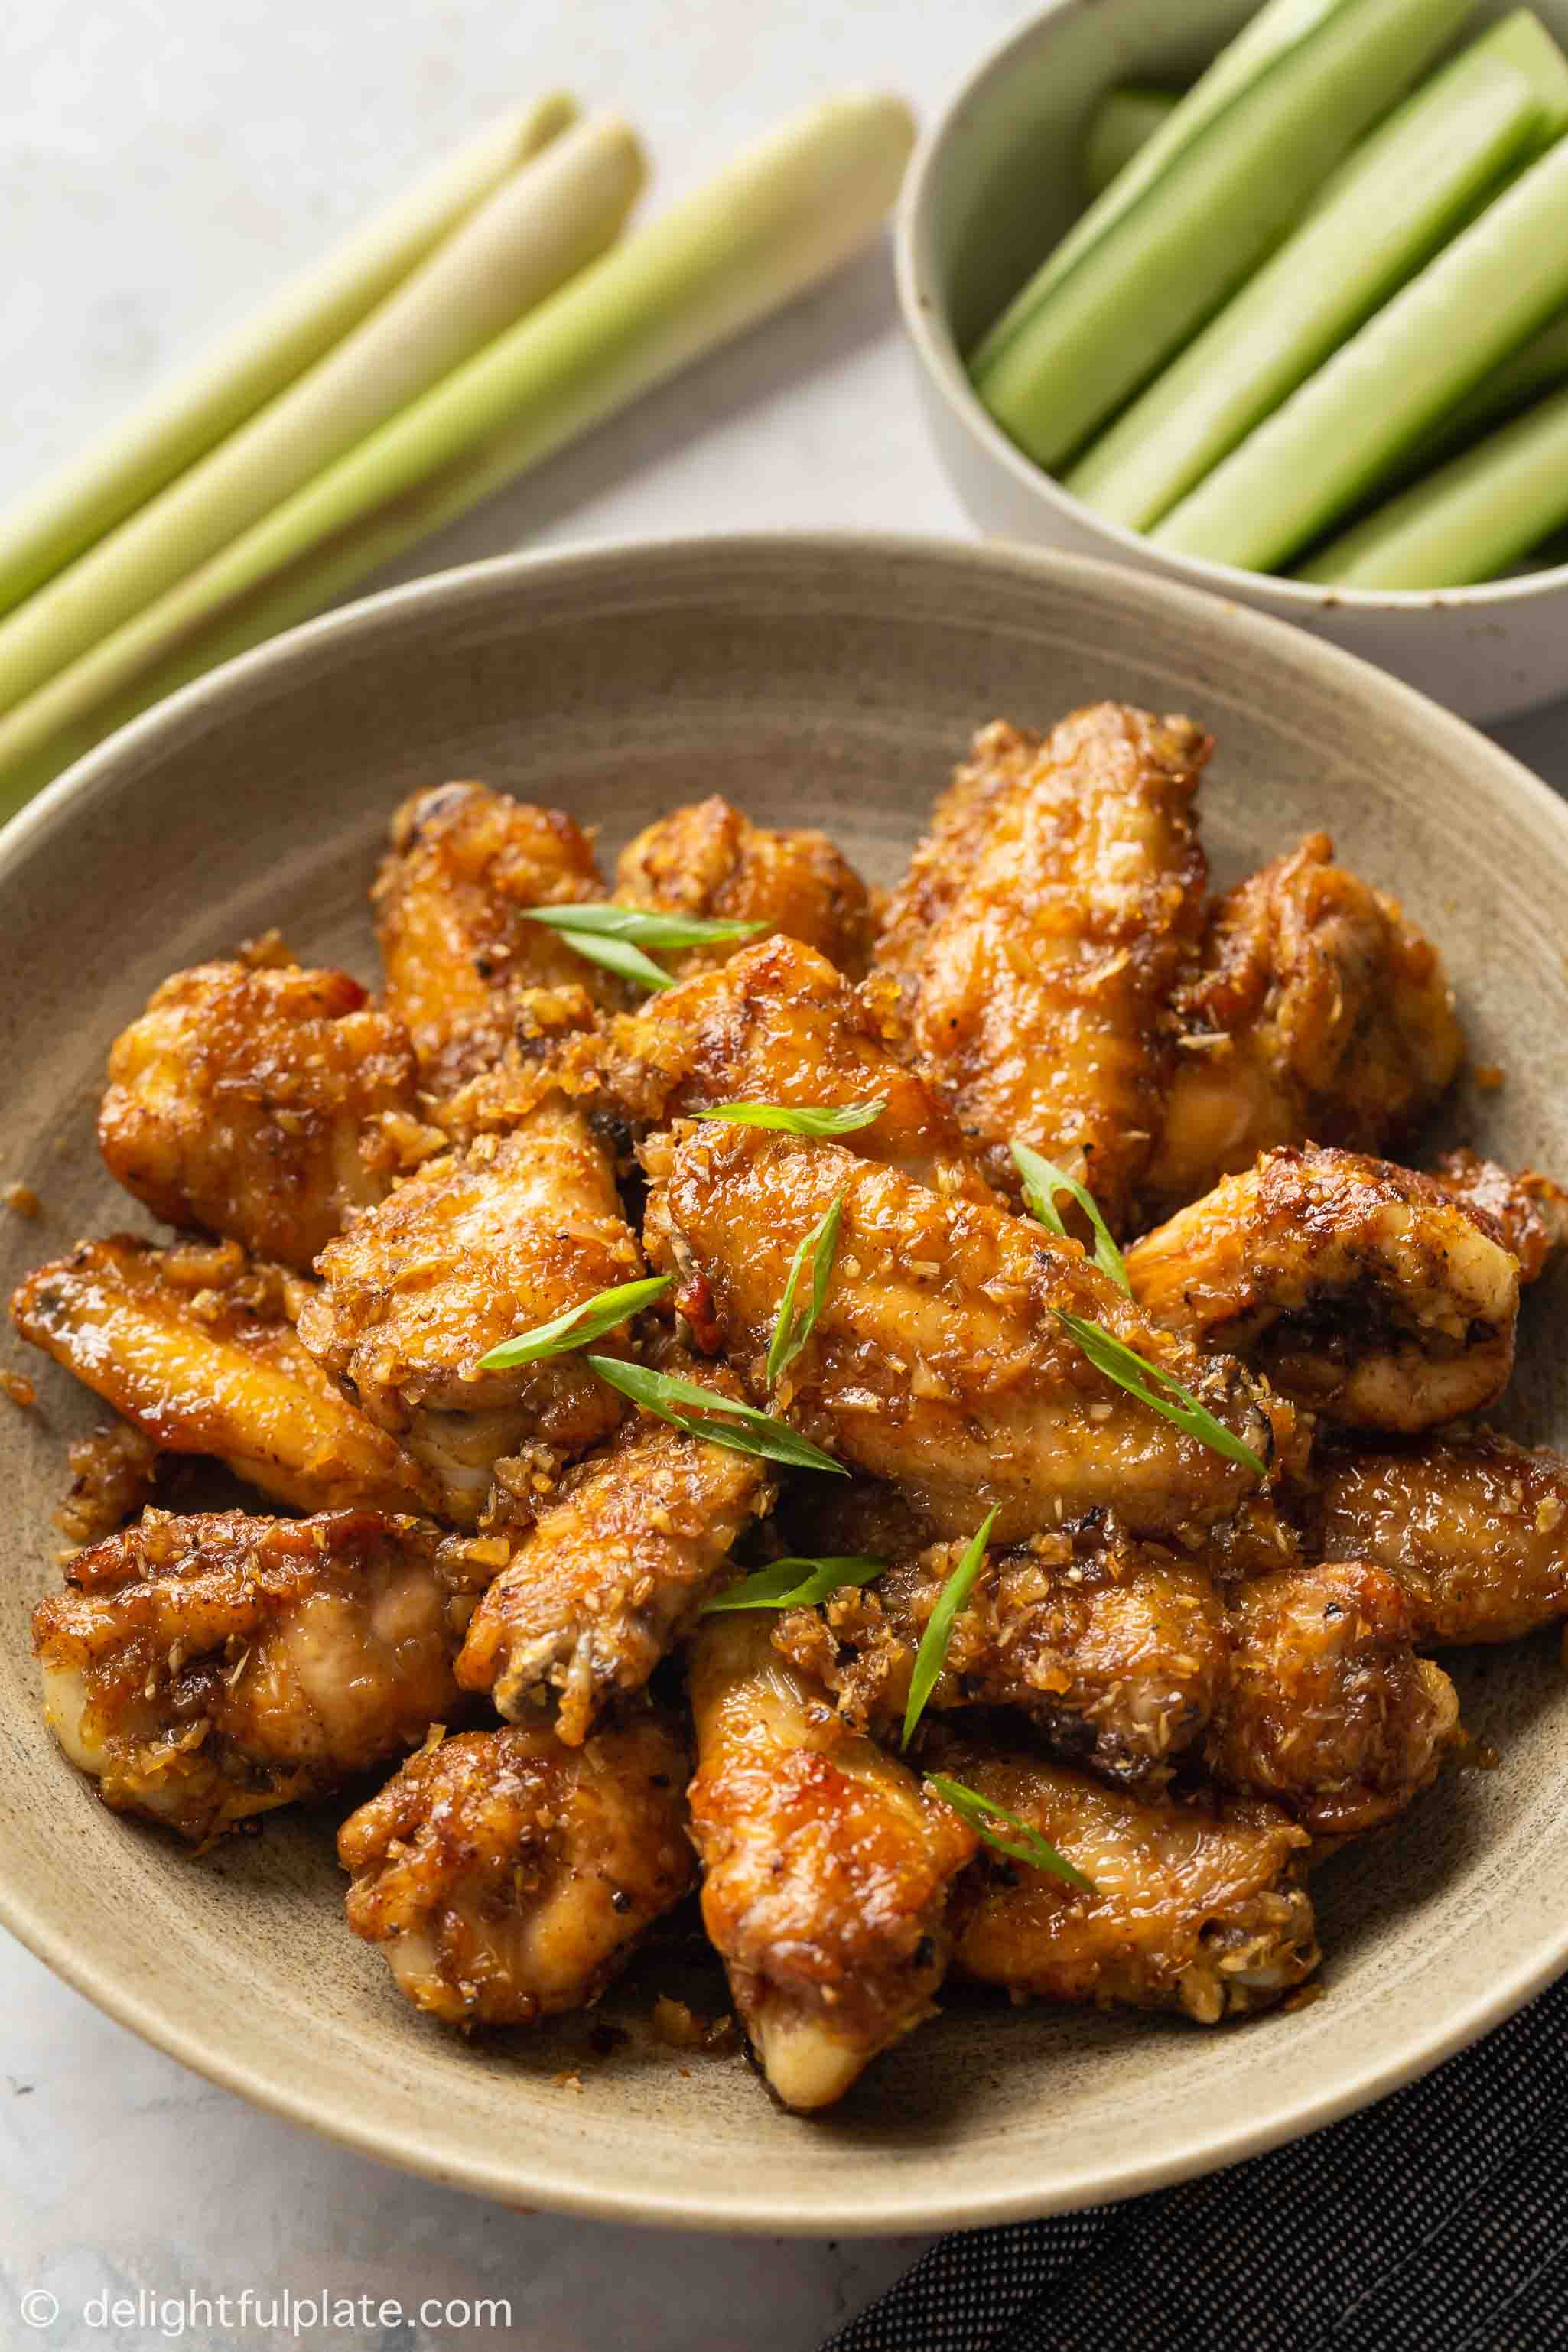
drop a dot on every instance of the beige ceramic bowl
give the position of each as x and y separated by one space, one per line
816 680
994 183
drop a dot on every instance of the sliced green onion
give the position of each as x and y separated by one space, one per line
591 1320
931 1655
1043 1179
615 955
813 1120
644 926
1158 1389
1027 1845
1123 122
796 1583
703 1412
792 1331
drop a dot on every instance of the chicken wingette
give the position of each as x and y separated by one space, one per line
826 1868
479 1247
1321 1015
1530 1211
263 1103
1362 1290
937 1360
506 1877
197 1349
205 1669
1199 1903
707 859
1040 993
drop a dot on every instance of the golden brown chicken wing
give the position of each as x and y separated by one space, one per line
478 1248
205 1669
507 1877
451 905
707 859
1361 1289
198 1350
1320 1013
936 1361
1199 1903
1329 1712
1039 994
826 1867
1529 1211
262 1103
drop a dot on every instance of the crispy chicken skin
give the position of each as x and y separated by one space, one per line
451 902
1474 1527
1040 995
936 1361
1530 1210
198 1351
477 1248
708 859
1116 1651
1329 1712
1199 1903
777 1024
205 1669
1320 1013
605 1580
826 1868
264 1104
1361 1289
507 1877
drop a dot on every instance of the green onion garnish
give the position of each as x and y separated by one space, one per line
811 1121
792 1331
1028 1846
783 1585
1043 1179
703 1412
577 1326
1145 1381
931 1655
616 935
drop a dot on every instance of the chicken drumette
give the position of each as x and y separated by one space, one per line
709 860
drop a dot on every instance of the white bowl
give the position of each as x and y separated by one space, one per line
994 182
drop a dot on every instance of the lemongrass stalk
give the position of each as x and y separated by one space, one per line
543 223
1123 122
191 415
788 212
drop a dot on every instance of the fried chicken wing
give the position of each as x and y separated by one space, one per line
1529 1211
507 1877
826 1868
197 1350
708 859
1329 1712
1320 1013
1116 1651
205 1669
605 1580
451 902
264 1104
477 1248
1474 1527
1199 1903
1040 994
936 1361
1361 1289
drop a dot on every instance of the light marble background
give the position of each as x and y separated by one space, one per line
162 162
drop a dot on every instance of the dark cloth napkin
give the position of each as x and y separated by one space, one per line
1435 2221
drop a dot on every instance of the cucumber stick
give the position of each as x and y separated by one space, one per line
1166 264
1392 206
1276 28
1123 122
1339 437
1467 523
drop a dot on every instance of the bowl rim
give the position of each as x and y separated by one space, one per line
427 2148
926 322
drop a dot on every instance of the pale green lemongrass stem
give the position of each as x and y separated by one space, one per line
539 227
1539 367
780 218
191 415
1123 122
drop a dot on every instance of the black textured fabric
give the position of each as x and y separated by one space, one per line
1436 2221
